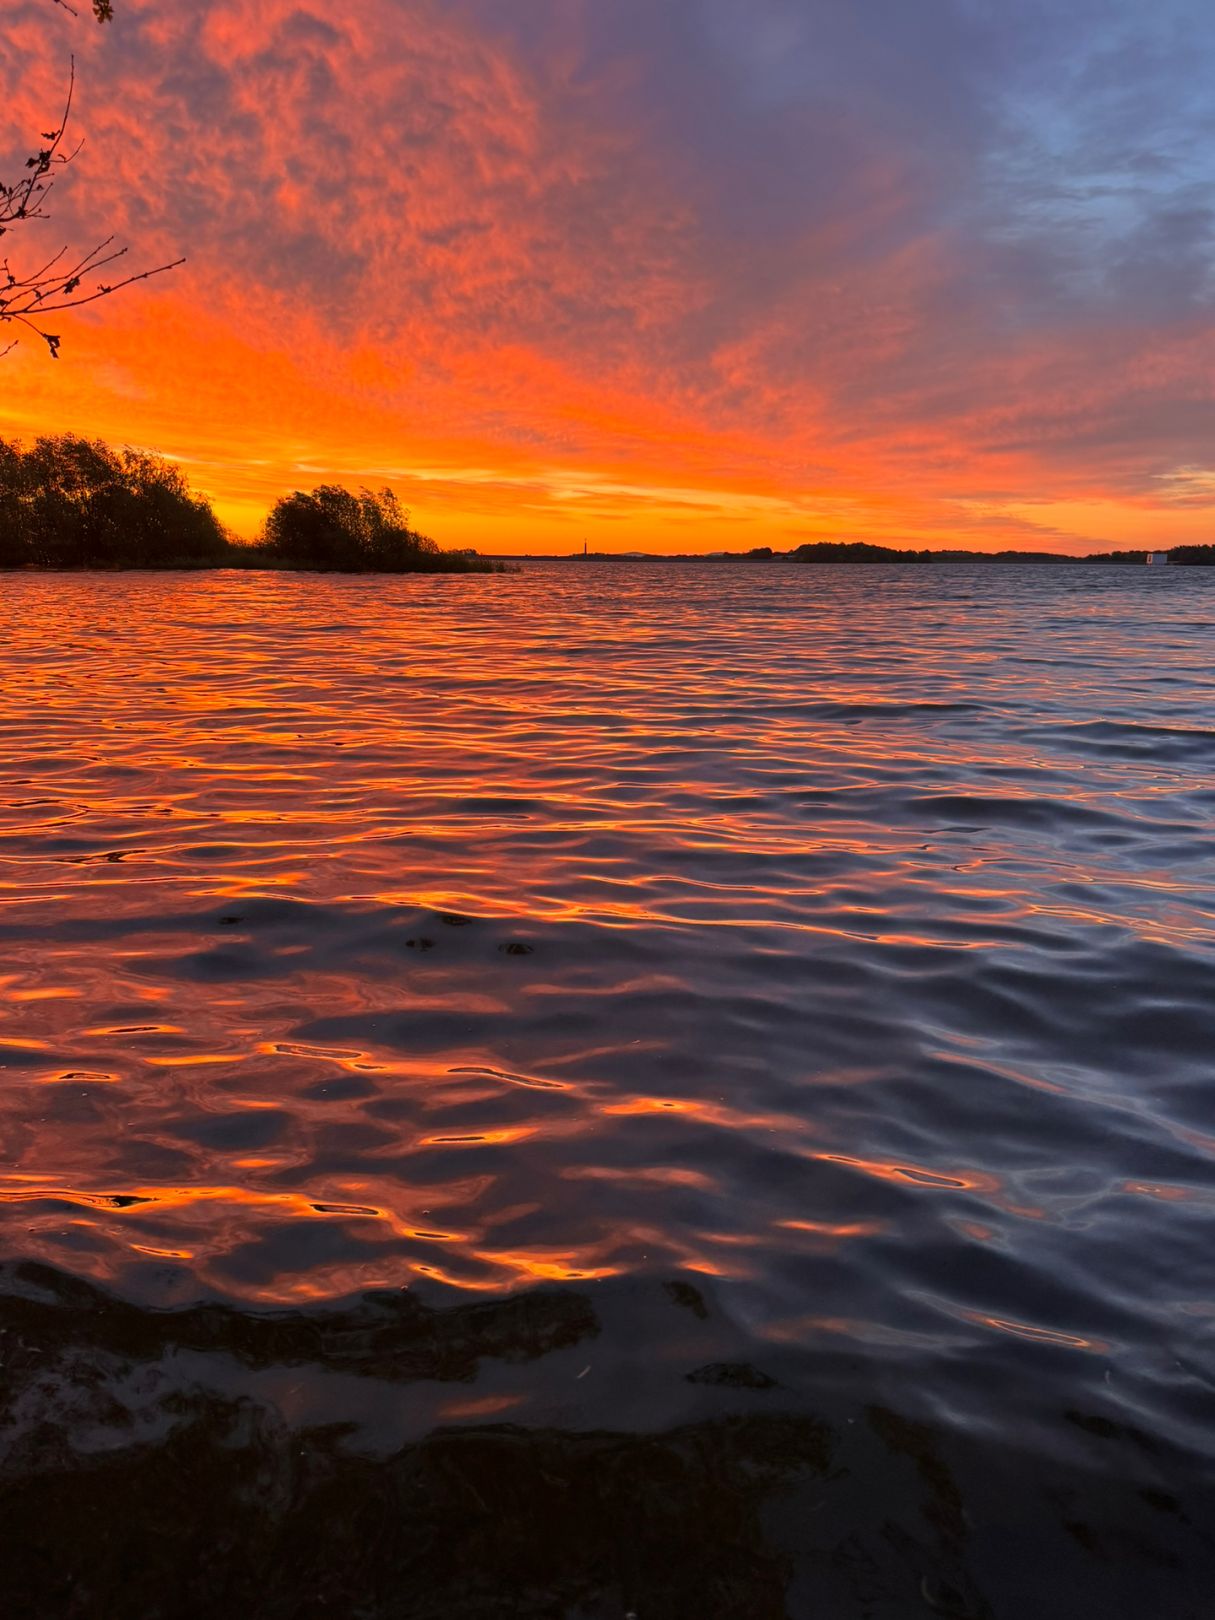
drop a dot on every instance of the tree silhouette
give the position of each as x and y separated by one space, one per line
68 502
332 528
67 279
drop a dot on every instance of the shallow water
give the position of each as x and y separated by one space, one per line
763 1016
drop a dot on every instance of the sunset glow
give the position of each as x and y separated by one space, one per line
671 278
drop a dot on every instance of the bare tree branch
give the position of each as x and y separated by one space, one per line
103 10
26 297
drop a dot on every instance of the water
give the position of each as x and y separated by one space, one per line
646 1088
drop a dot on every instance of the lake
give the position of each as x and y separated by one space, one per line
657 1089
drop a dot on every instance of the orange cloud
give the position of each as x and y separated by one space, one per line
481 261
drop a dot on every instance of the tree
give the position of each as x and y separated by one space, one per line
65 280
68 502
334 529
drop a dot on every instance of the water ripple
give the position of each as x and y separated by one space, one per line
843 939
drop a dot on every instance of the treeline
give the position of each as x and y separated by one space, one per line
863 551
75 503
1182 556
68 502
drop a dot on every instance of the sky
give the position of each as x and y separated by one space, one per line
670 275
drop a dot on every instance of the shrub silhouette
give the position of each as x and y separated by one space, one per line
69 502
332 528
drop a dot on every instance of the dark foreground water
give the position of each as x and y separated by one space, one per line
658 1090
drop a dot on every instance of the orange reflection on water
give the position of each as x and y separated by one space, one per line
190 1060
1028 1330
140 1201
136 1029
81 1076
658 1175
832 1229
502 1135
919 1175
47 993
482 1406
547 928
1170 1194
707 1111
503 1269
540 1266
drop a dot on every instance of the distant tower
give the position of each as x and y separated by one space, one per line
584 548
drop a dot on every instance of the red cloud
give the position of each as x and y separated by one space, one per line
483 267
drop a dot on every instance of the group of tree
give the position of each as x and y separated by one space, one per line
68 502
861 551
75 503
363 532
864 551
1179 556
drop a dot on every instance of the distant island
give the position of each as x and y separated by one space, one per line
862 551
69 502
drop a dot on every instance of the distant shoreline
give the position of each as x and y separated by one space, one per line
446 563
70 504
248 559
861 553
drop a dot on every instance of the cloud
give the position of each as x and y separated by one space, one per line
897 262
